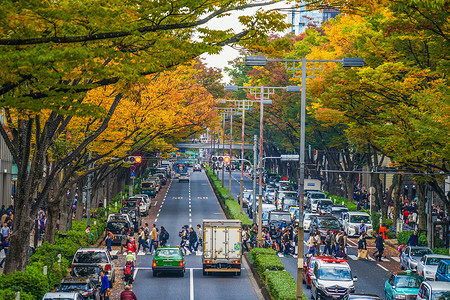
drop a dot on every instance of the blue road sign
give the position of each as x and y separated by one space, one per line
133 168
132 174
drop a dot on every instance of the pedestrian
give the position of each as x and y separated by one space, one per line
5 231
277 239
141 240
413 239
131 246
362 246
383 231
124 239
153 238
318 242
342 246
163 236
362 227
312 244
105 291
130 257
128 271
379 244
109 239
192 240
127 294
244 239
200 235
328 240
5 246
286 243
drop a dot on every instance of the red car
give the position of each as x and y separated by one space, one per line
308 267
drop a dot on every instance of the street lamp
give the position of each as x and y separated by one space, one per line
261 94
290 64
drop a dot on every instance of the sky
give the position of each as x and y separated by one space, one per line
228 53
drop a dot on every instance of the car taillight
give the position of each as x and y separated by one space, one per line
208 262
107 267
236 262
71 266
154 263
181 264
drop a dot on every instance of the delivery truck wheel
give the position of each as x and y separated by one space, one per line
204 271
238 273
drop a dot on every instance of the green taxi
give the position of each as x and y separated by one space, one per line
168 260
402 286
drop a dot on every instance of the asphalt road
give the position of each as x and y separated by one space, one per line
188 204
371 274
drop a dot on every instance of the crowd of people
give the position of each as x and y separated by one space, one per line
6 218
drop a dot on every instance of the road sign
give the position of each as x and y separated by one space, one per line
133 168
289 157
132 174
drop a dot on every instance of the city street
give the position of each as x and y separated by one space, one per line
188 204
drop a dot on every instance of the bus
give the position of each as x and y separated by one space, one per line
180 167
148 188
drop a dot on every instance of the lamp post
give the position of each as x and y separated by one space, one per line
291 65
262 95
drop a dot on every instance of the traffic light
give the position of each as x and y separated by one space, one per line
225 159
133 160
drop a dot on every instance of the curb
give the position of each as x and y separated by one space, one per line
257 278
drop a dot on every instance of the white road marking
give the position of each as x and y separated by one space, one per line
114 252
156 220
191 284
190 215
395 258
135 273
384 259
353 257
190 220
383 267
352 242
141 253
157 215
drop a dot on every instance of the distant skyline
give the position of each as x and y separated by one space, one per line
228 53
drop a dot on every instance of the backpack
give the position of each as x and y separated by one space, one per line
165 235
127 269
328 238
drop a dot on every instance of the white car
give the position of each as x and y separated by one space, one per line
351 221
147 201
63 296
314 196
428 264
433 290
183 177
143 205
307 218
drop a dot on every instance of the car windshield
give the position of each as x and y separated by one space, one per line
91 257
328 223
168 253
333 273
85 271
147 185
310 216
433 261
279 217
325 203
290 201
67 287
359 218
408 281
317 196
130 204
265 216
58 298
441 295
339 209
116 227
420 252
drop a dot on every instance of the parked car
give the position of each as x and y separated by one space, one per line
183 177
428 264
162 177
99 257
87 289
352 220
143 205
168 259
402 285
88 271
331 279
135 216
157 182
63 296
324 223
411 256
434 290
443 271
115 227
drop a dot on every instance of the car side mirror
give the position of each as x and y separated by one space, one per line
313 277
355 279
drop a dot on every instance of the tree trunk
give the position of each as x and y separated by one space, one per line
52 214
421 189
350 185
80 204
398 179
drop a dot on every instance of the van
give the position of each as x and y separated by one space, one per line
443 270
432 290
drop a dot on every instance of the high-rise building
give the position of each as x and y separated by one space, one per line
6 163
301 18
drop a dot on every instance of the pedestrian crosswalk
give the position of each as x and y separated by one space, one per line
385 259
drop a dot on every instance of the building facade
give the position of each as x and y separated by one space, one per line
6 168
301 18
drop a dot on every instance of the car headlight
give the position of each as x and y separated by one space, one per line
400 297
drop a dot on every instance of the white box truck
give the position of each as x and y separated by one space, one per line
313 185
222 242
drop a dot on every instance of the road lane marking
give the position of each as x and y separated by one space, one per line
190 220
383 267
395 258
191 284
156 220
113 252
353 257
190 215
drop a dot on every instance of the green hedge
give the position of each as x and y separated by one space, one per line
31 281
233 208
270 262
402 238
280 285
258 251
443 251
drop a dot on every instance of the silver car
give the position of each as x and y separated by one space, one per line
427 266
96 257
307 220
411 256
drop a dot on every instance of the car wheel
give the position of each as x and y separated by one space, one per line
182 273
155 274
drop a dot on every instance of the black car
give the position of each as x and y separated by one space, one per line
84 286
275 217
87 271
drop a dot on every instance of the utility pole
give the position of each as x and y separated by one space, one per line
255 161
231 151
242 161
223 148
260 169
88 199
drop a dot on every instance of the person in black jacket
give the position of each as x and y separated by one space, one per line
192 240
379 244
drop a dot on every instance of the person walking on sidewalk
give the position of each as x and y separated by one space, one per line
379 244
105 292
413 239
